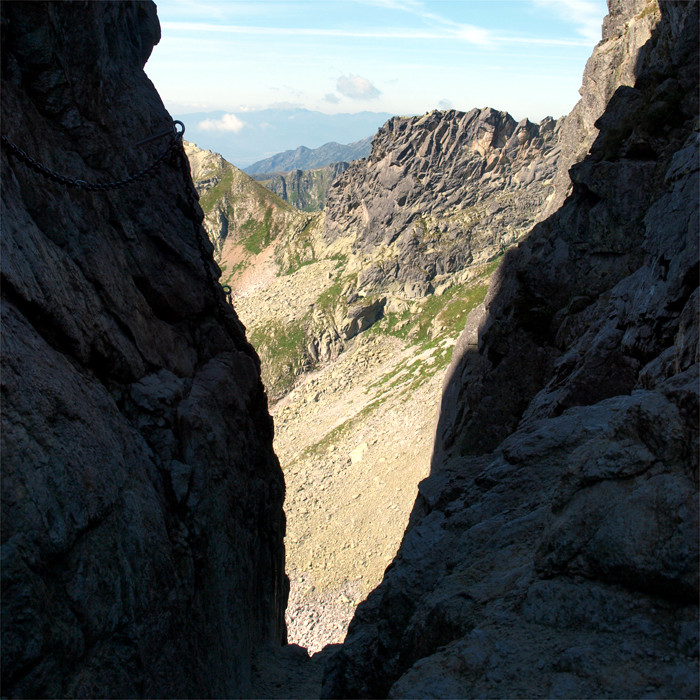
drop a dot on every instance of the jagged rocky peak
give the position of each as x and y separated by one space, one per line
553 549
142 537
206 166
242 217
437 135
439 193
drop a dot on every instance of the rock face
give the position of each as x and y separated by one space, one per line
626 30
553 550
242 217
305 189
142 538
441 192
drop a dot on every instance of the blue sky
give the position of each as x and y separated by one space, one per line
397 56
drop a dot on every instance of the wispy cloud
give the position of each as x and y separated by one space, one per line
584 14
332 98
512 39
462 32
228 122
357 88
304 31
216 9
470 33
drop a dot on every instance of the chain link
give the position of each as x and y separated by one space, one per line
85 184
175 150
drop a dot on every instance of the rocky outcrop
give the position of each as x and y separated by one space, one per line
626 30
441 192
142 537
554 550
242 218
305 189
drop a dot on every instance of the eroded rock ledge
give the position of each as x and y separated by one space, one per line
142 533
553 551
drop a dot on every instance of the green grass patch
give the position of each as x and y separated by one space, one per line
282 350
454 314
300 250
328 299
256 235
396 324
336 433
213 195
440 318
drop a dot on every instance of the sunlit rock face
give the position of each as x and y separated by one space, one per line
554 548
441 192
142 503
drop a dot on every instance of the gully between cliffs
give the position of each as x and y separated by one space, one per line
553 548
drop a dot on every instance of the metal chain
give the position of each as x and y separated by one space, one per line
175 149
94 186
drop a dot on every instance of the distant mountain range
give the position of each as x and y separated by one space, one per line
304 158
245 138
305 189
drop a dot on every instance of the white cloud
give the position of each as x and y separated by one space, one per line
587 15
331 97
469 33
356 87
389 33
445 104
228 122
473 35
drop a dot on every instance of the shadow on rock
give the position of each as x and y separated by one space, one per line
553 550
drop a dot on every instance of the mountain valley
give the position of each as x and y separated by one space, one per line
355 311
441 442
355 397
355 315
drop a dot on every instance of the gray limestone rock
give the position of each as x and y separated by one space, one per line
360 317
441 191
553 550
305 189
142 538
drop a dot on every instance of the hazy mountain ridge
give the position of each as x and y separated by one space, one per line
303 158
305 189
253 135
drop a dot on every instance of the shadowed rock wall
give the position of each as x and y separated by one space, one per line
142 523
553 551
